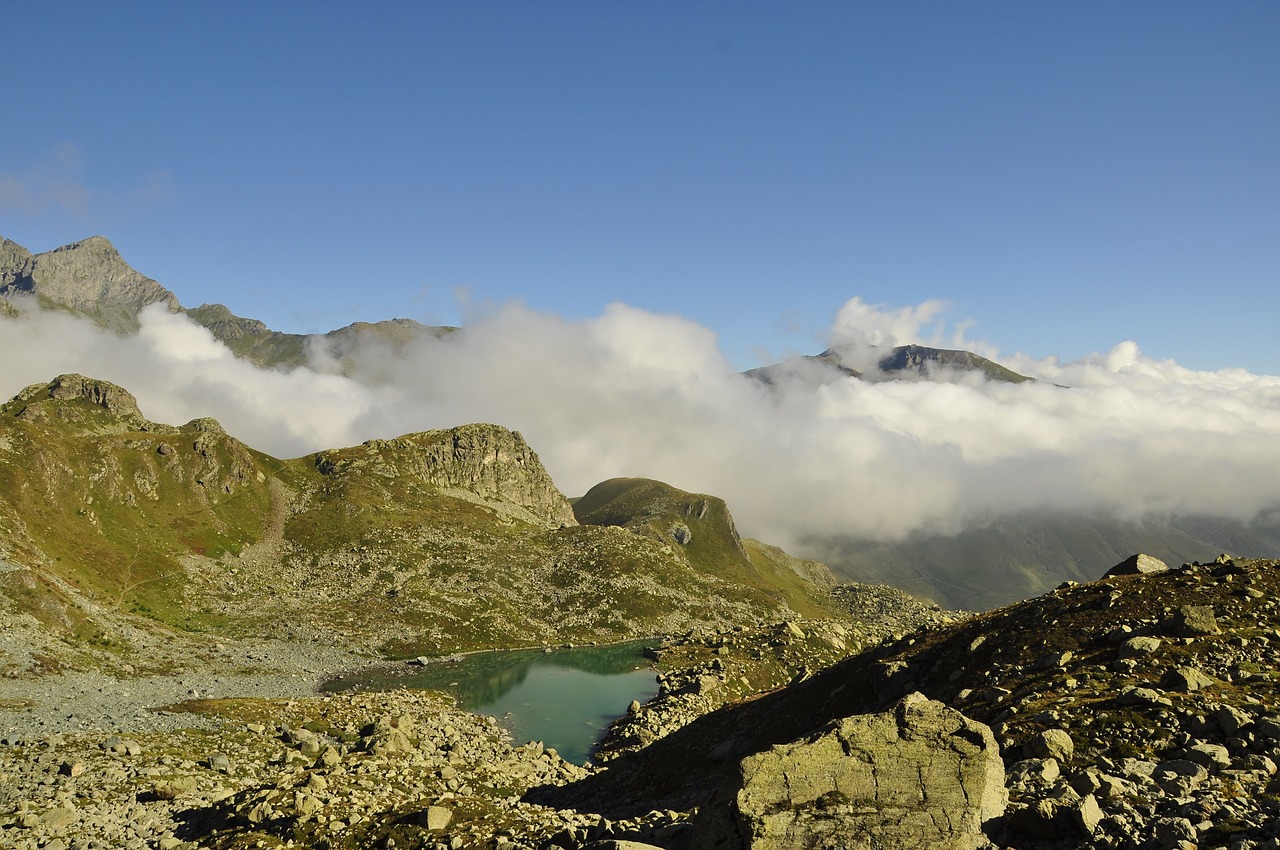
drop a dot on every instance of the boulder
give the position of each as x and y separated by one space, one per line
1052 744
1139 646
1185 679
1139 564
918 775
437 818
1193 621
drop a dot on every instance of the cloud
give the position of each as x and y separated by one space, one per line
634 393
51 185
57 186
179 372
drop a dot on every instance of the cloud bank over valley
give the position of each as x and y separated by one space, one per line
634 393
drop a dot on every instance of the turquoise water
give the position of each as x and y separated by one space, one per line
566 698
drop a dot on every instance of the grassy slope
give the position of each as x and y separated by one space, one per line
110 511
190 528
659 511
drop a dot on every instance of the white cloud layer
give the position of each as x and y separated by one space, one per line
631 393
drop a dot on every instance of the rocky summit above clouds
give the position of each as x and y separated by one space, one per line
902 362
89 278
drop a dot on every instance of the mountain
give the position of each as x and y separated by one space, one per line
703 527
89 278
1013 556
431 543
1024 555
903 362
1010 557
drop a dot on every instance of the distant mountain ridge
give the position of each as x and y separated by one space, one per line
89 278
903 362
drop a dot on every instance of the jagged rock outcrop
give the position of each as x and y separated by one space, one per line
918 775
113 399
488 461
15 264
88 277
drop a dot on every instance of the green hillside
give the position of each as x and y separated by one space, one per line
432 543
703 530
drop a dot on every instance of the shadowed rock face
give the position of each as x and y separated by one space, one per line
918 775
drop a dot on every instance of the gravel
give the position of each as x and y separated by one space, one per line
76 701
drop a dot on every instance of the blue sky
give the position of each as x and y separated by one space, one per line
1065 175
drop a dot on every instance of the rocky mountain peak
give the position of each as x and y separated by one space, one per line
487 461
99 245
111 398
15 263
88 277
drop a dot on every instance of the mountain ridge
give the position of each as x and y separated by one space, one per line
1012 556
90 278
431 543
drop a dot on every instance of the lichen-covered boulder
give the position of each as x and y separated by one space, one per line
918 775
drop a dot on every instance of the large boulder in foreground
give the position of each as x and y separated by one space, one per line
918 775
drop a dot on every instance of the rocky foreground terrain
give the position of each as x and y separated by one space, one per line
1136 711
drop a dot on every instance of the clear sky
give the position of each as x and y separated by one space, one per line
1066 176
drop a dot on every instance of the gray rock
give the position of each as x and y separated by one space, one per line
1139 564
1231 719
437 817
1177 777
1267 729
178 786
1211 756
1087 815
1193 621
1052 744
919 775
1171 832
1139 646
1185 680
1034 772
1142 696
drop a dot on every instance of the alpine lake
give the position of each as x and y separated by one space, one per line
565 698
